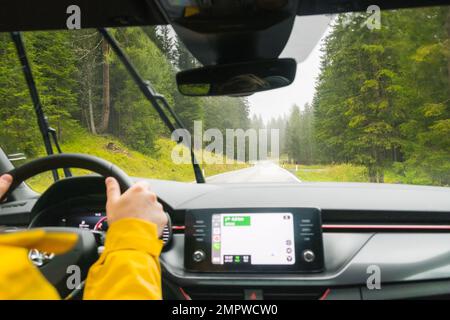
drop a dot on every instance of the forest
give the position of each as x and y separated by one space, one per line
382 100
83 86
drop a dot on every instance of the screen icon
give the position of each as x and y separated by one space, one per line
216 260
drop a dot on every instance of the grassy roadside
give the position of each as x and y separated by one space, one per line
329 173
344 173
159 165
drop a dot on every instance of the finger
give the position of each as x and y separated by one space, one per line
141 186
159 205
112 189
152 197
5 183
145 185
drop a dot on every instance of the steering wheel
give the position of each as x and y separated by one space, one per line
85 252
68 160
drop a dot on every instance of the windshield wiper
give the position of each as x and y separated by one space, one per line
152 97
197 170
48 133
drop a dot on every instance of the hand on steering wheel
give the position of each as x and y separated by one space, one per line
137 201
5 183
124 200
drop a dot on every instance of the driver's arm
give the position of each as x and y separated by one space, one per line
129 266
19 278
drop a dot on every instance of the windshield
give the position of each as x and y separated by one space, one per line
370 103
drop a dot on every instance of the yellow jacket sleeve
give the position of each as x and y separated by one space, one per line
19 278
129 266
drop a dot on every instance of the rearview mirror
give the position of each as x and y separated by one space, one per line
237 79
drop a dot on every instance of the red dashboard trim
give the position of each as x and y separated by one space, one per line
366 227
185 295
325 294
383 227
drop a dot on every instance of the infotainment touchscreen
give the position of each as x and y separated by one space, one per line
253 240
245 238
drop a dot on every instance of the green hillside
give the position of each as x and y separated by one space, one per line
132 162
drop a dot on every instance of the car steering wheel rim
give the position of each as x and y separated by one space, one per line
68 160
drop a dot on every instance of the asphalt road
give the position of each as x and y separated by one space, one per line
261 172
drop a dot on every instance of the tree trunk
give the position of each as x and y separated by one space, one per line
447 25
106 110
91 112
371 170
380 175
85 118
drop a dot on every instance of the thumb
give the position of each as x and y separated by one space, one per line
5 182
112 189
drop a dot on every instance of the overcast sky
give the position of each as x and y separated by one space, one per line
304 46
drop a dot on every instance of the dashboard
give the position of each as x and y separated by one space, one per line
302 241
83 219
95 221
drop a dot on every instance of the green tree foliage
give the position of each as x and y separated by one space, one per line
226 113
68 70
55 75
18 128
299 144
383 95
54 68
135 120
293 132
278 123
